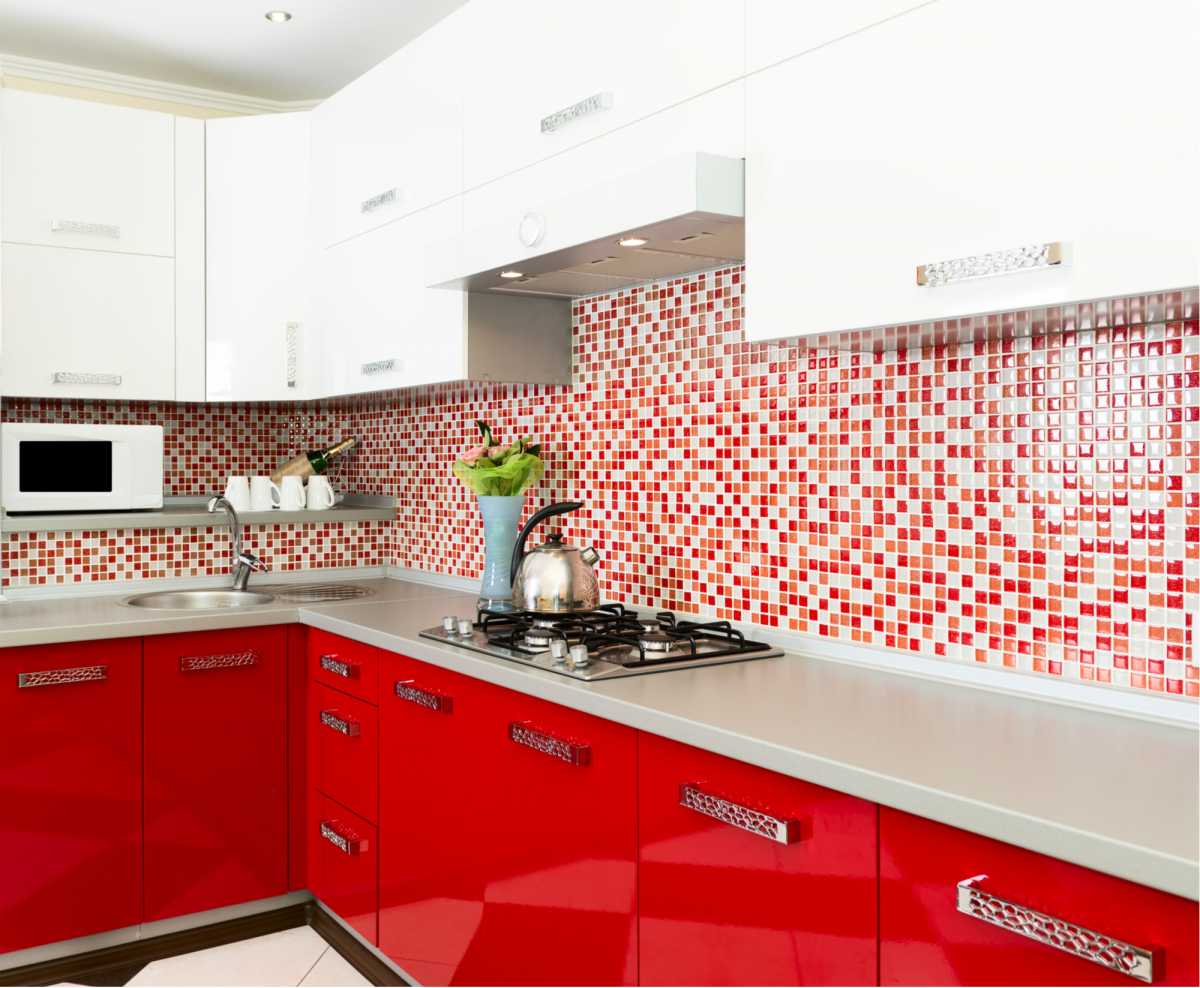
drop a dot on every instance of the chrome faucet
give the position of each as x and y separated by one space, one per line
244 563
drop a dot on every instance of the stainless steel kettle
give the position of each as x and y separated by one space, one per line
554 578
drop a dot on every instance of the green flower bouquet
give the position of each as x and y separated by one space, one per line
494 469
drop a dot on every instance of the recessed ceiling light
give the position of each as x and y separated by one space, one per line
512 274
632 242
278 16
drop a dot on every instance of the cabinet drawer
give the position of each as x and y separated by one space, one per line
930 872
346 749
343 868
345 665
750 877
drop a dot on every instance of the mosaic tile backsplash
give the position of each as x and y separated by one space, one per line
1030 502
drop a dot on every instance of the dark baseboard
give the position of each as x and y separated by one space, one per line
116 965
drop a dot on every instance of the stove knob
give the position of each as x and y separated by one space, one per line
579 657
558 649
465 627
450 624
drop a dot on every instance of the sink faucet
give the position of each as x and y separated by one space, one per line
244 563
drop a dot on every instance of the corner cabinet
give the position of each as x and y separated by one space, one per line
102 256
962 129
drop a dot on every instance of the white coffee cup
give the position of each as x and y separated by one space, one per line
320 494
291 494
264 494
237 493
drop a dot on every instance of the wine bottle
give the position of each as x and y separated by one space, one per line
314 461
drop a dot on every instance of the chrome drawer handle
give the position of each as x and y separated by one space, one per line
347 843
571 752
989 265
1116 955
61 677
347 670
85 377
778 829
227 660
83 226
407 689
389 197
343 725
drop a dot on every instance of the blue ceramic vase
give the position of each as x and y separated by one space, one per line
501 516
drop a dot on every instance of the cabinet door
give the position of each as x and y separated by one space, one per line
381 327
216 770
749 877
926 940
636 58
259 272
70 785
436 821
346 750
84 174
344 865
87 324
869 157
775 30
390 143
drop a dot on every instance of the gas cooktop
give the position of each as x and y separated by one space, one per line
607 643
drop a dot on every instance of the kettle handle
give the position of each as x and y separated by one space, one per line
547 512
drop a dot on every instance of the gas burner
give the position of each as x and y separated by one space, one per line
541 633
654 640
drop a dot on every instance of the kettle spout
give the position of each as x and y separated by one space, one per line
590 556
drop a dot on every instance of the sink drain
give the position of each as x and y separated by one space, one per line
320 592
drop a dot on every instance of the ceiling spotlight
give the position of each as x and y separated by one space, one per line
632 242
278 16
512 274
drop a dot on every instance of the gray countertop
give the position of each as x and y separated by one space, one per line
1113 793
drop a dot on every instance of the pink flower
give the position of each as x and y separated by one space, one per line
471 455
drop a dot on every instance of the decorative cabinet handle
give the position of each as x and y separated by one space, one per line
227 660
82 377
778 829
340 667
572 752
1116 955
344 839
380 366
585 107
61 677
407 689
988 265
291 346
341 723
389 197
81 226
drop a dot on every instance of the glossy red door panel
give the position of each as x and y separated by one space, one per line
70 791
346 665
435 817
343 865
925 940
792 901
298 760
216 770
346 750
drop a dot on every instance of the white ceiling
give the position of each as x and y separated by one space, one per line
225 45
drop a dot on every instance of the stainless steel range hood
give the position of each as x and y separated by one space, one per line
689 210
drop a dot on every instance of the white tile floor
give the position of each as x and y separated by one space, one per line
293 957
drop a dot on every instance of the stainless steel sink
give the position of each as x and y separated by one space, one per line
199 600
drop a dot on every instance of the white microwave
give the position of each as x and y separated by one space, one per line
46 467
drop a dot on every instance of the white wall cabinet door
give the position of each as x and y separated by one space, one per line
390 143
530 60
964 128
779 29
258 284
380 326
87 324
87 175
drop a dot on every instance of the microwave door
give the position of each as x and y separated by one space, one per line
70 474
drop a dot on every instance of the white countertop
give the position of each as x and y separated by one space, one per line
1109 792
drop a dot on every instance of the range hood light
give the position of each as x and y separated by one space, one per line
512 274
632 242
278 16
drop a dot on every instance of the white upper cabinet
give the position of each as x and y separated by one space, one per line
87 175
779 29
259 259
389 143
542 76
966 128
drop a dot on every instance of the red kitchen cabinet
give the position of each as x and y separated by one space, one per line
346 750
508 829
298 760
216 815
346 665
926 940
343 865
70 788
750 877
